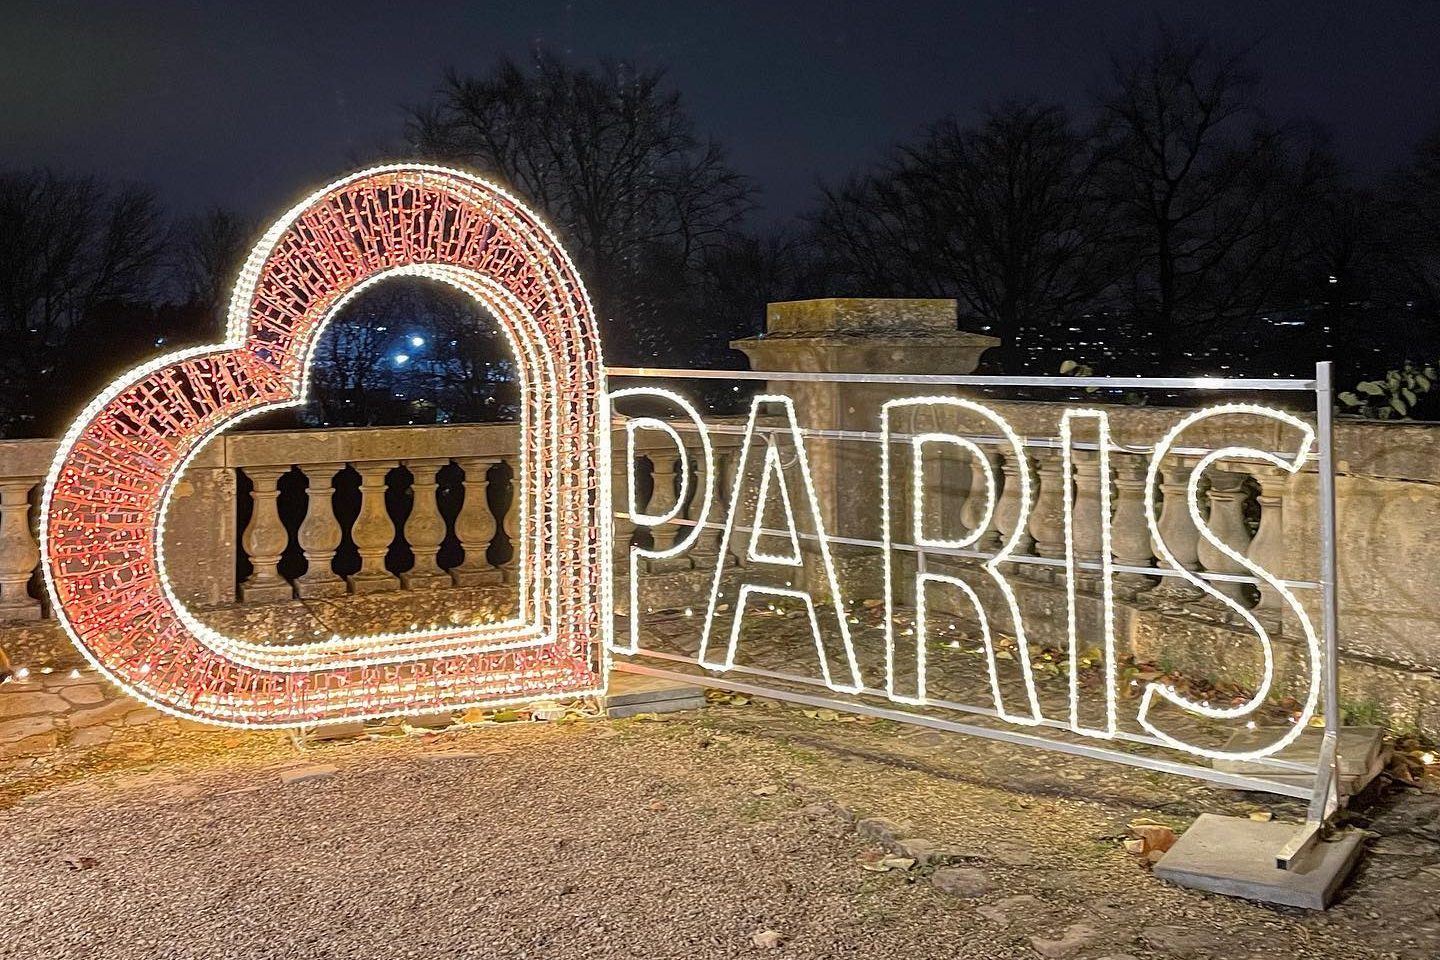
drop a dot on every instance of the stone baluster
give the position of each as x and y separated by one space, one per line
1268 547
726 489
1177 530
265 538
424 528
475 525
1227 521
972 512
18 551
662 499
373 530
620 480
707 545
1047 517
510 523
1087 519
1129 533
319 534
1007 513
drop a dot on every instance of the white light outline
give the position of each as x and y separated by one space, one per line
990 566
236 339
1312 642
822 542
651 423
395 647
681 545
753 553
1107 571
917 446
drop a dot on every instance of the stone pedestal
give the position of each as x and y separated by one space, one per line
840 335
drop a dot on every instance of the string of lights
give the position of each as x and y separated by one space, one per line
102 520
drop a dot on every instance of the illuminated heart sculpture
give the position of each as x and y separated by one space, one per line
102 532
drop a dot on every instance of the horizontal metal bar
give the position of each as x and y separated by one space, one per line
1231 780
1287 766
1133 383
990 555
869 436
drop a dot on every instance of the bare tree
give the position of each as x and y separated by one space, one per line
1001 216
74 253
1410 208
209 251
408 351
611 158
1210 196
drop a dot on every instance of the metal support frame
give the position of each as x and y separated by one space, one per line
1323 795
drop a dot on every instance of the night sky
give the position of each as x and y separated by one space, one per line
248 104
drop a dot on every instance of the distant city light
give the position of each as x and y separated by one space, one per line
417 341
401 358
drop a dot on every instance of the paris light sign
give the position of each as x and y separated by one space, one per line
103 518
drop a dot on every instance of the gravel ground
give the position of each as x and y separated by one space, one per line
682 839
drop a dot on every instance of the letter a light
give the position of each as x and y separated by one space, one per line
103 519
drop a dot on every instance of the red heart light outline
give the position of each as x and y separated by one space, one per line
102 519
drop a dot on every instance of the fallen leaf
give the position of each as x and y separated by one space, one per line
1157 836
1262 816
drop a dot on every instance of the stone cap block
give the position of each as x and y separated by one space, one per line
854 314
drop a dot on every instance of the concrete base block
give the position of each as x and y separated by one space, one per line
1236 857
1362 750
480 577
632 693
266 592
375 583
425 581
320 589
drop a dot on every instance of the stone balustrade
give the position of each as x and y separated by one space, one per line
264 517
324 513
